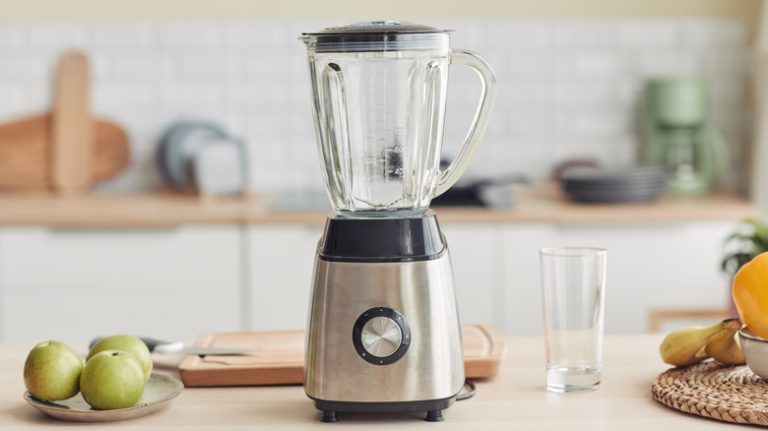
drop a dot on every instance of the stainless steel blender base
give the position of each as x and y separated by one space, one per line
384 336
422 292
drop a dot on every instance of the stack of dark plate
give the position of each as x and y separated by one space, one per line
593 185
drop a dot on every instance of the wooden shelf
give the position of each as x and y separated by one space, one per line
156 209
540 204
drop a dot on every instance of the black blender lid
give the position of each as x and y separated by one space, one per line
378 27
371 36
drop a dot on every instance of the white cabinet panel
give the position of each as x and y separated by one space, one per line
662 266
280 264
76 284
282 258
649 266
521 287
477 259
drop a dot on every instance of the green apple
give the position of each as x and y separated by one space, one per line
52 371
112 379
126 343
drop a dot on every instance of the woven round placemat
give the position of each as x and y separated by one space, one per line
723 392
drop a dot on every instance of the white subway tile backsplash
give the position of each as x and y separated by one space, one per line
189 95
194 36
19 66
210 66
101 65
585 94
569 35
12 37
665 63
650 34
593 65
727 61
253 37
53 37
135 36
10 98
151 67
36 98
712 33
566 88
517 35
134 95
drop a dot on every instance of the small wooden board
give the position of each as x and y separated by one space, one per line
723 392
278 358
72 125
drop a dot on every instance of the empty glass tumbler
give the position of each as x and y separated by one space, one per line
573 291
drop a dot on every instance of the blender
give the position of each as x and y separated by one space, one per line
384 331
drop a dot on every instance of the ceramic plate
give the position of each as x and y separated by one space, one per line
158 393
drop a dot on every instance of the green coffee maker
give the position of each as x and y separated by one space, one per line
680 135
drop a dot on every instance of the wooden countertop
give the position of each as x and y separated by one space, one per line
515 399
541 204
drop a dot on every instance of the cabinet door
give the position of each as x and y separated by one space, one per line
280 261
668 266
521 287
673 266
477 262
77 284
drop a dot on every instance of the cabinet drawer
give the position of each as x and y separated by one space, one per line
75 284
476 259
280 263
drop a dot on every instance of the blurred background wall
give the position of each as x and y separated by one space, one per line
570 76
744 10
569 72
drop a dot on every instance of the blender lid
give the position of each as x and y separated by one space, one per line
374 36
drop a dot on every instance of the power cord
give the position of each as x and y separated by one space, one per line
470 386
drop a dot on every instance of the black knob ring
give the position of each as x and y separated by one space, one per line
399 319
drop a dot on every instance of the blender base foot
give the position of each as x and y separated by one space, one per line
330 416
434 416
434 408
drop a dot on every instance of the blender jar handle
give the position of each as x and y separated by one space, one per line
475 134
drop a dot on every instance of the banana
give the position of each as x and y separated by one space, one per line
688 346
724 347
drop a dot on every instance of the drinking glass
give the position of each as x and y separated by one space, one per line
573 291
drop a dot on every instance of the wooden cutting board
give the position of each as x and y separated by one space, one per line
72 126
26 159
278 358
67 149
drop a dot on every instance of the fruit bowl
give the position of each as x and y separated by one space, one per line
755 352
158 393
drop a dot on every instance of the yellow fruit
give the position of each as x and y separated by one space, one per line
687 346
724 346
750 294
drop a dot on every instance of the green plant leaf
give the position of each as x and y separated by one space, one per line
733 261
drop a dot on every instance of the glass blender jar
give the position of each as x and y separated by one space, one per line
379 92
384 332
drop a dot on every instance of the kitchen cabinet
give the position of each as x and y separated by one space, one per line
496 271
74 284
282 258
280 261
178 282
660 266
477 270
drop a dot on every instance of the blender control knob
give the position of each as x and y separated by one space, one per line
381 336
